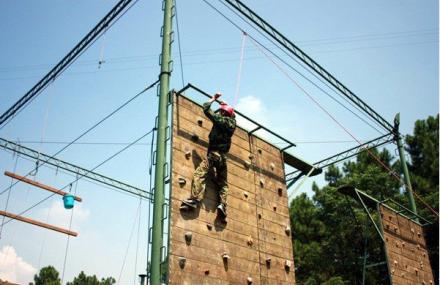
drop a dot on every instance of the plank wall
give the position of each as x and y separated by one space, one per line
405 245
257 210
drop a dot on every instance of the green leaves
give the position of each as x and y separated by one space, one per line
331 232
49 276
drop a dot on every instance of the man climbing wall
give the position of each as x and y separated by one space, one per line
219 144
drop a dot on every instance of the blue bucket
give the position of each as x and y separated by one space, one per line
68 200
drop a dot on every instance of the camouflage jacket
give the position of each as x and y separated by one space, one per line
222 130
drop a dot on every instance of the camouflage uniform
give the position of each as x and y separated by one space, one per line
219 144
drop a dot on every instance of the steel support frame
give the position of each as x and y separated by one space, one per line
162 125
301 55
379 141
74 169
258 125
66 61
408 186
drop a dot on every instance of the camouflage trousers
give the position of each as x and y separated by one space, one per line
217 161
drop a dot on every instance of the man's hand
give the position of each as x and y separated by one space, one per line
215 97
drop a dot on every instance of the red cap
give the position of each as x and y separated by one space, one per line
227 108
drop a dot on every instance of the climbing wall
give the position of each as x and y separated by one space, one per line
255 246
405 244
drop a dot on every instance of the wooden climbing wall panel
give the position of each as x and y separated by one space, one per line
257 237
406 251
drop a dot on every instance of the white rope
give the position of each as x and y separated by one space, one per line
240 67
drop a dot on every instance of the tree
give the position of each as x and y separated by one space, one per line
47 276
423 150
331 231
83 279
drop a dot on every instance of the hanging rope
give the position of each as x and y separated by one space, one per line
389 170
70 227
129 242
9 195
240 66
43 244
137 241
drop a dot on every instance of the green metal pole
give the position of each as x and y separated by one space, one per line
159 179
409 190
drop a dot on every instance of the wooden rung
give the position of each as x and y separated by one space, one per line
39 185
37 223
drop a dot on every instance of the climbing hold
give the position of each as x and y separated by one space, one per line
417 271
182 181
412 230
395 228
419 234
194 137
287 265
272 166
187 154
259 216
250 241
251 156
274 208
395 262
288 230
249 280
225 256
268 261
200 121
182 261
260 151
261 182
206 272
246 194
247 164
188 238
209 226
280 192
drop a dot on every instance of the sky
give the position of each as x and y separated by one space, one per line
386 52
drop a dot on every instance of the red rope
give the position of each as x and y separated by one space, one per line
344 128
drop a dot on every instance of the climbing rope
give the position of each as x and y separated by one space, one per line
344 128
240 66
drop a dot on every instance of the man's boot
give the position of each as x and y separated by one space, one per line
189 204
221 210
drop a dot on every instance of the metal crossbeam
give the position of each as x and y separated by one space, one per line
82 172
66 61
296 51
347 154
